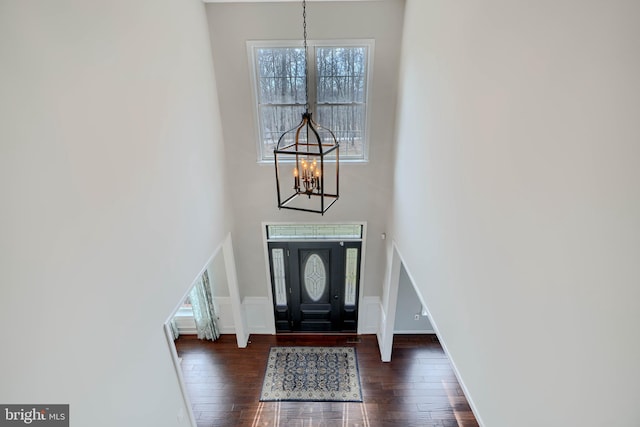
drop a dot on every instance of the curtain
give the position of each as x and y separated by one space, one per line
204 312
174 329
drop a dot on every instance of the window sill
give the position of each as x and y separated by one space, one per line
184 312
345 161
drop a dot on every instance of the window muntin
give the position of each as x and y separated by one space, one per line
338 99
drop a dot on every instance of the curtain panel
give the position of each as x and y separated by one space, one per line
204 312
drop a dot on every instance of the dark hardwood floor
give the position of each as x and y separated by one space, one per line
417 388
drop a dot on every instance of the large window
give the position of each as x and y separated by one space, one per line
338 91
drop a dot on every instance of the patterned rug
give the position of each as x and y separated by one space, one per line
318 374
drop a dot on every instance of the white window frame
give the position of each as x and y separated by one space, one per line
253 45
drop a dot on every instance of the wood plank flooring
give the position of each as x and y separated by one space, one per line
417 388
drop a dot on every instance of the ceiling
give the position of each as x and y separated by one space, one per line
274 1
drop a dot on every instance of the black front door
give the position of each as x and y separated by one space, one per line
312 285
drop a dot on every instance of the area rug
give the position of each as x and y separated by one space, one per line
318 374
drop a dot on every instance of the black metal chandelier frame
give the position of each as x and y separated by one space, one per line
309 185
309 153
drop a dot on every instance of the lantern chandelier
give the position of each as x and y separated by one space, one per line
309 155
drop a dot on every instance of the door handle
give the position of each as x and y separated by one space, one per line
335 297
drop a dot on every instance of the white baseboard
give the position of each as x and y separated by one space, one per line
259 314
186 325
381 323
369 315
415 332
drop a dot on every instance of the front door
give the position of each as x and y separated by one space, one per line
315 285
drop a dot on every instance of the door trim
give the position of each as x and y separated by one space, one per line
272 324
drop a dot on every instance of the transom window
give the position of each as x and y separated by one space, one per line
290 232
338 91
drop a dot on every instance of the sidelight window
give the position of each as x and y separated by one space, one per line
351 277
279 279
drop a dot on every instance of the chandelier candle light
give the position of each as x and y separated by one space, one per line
310 176
311 154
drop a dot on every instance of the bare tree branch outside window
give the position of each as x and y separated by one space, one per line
340 88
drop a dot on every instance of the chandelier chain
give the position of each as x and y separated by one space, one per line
306 56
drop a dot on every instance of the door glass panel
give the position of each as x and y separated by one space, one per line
277 259
351 274
315 277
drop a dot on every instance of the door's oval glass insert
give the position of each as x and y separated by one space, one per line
315 277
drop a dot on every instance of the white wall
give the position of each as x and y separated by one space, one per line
111 200
365 189
218 273
519 124
408 306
